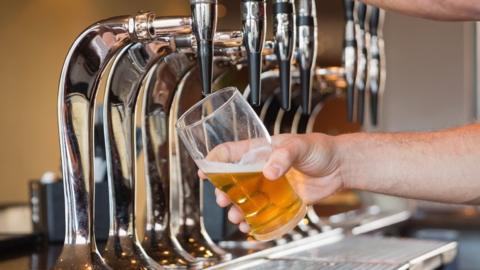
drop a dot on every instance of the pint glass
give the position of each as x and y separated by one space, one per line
230 144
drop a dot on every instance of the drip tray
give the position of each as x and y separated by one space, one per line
337 251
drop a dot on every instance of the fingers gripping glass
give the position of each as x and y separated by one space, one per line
230 144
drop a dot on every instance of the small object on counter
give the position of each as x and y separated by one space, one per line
48 211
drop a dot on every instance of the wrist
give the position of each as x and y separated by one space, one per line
344 149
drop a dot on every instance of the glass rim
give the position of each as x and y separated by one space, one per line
232 89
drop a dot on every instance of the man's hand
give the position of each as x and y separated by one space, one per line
309 161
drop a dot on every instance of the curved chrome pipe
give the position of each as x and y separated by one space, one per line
165 175
123 250
284 35
85 63
361 76
350 56
254 24
186 190
160 88
127 74
78 84
306 49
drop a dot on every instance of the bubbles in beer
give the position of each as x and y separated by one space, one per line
267 205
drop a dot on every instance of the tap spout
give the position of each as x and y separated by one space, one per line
307 49
284 35
350 56
361 77
376 61
204 22
254 24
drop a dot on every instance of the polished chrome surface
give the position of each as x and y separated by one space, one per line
227 44
254 28
123 250
284 35
84 65
147 26
177 212
333 250
186 188
361 76
350 56
160 88
164 26
306 49
204 23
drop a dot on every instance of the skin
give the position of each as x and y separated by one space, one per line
438 166
445 10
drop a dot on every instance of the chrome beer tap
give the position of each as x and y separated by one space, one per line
284 35
127 73
306 49
84 65
204 16
361 76
124 83
376 72
254 24
123 249
350 56
181 190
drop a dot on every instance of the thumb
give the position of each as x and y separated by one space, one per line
285 154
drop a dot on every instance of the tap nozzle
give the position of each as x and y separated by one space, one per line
254 23
350 55
375 61
306 49
284 34
361 78
204 23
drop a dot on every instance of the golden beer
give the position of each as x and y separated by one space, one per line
271 208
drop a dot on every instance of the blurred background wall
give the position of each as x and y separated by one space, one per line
429 84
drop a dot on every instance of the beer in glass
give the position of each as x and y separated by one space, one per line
230 144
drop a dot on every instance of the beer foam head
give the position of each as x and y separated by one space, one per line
221 167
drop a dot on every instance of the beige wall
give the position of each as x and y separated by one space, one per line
35 36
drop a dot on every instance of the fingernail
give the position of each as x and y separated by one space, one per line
273 172
244 227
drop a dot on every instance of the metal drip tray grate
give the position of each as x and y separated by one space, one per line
353 252
280 264
376 250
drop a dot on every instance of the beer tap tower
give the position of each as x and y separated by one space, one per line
159 54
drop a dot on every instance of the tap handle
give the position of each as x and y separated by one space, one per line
349 6
350 56
361 14
374 21
361 77
254 24
374 66
204 20
284 34
307 49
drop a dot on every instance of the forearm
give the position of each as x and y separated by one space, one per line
439 166
433 9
